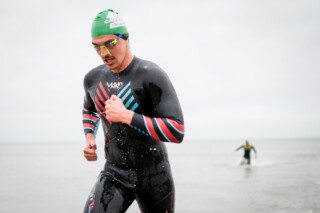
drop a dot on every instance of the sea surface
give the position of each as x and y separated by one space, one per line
284 178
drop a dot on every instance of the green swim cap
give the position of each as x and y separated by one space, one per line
108 22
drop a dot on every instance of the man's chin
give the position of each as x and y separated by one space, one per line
111 67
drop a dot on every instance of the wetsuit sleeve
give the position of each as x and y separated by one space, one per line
90 117
239 148
167 123
254 150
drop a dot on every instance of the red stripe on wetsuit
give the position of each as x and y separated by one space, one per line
91 117
163 128
151 128
180 127
166 131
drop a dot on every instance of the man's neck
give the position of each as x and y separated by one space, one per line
126 62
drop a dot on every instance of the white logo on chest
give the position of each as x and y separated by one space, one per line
114 85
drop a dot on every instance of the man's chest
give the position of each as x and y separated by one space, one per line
105 88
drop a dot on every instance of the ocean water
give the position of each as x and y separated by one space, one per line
285 178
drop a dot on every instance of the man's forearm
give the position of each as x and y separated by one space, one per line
90 121
161 129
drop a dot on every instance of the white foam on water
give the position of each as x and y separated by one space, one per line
254 162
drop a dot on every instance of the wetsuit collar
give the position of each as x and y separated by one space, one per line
128 68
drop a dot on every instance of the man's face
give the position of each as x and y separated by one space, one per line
112 57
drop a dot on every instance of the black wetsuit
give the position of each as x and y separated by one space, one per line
247 149
137 164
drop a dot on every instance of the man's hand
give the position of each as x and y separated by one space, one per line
117 112
89 152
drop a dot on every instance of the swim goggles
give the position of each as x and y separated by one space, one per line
107 45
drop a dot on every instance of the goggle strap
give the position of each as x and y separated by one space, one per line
116 40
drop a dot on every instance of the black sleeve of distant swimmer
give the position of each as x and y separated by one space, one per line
90 117
167 124
255 151
239 148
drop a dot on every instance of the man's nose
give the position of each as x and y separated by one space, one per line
104 52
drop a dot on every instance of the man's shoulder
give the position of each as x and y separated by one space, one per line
148 66
93 75
94 72
149 69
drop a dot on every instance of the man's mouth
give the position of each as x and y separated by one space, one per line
108 61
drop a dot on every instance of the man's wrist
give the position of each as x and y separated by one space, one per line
127 117
90 136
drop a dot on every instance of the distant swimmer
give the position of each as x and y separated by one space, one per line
139 110
247 148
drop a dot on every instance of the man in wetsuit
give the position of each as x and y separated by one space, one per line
247 148
139 110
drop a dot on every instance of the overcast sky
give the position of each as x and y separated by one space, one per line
242 69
